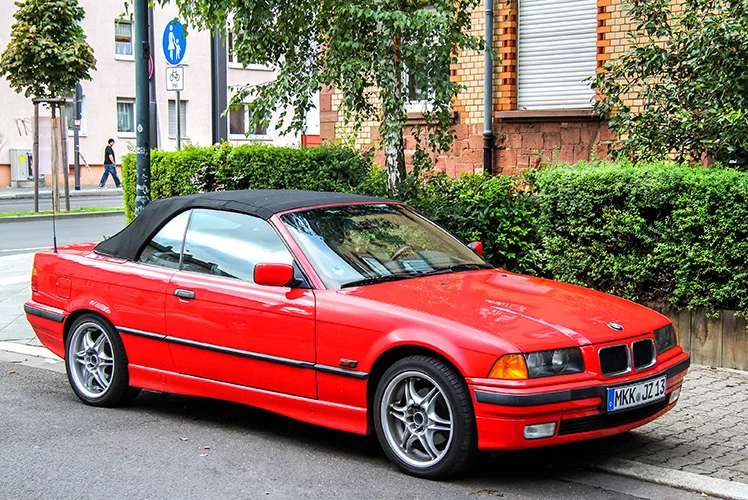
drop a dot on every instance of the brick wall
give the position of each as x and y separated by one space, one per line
522 138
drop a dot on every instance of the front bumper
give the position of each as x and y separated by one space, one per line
578 410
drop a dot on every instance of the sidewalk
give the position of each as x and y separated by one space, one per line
700 445
10 193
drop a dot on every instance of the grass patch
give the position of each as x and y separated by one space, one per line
62 212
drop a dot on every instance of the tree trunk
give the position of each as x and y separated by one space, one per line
394 161
394 149
55 161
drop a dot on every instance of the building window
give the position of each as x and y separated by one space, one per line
123 38
125 116
173 118
70 114
234 60
556 53
240 120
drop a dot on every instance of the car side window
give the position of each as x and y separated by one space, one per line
230 244
165 248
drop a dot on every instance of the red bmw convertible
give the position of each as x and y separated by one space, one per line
353 313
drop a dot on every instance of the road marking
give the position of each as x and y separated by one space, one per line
15 280
29 350
23 249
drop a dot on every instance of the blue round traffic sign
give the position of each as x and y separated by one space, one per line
175 42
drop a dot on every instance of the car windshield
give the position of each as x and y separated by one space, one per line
356 245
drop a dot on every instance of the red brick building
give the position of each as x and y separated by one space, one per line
542 100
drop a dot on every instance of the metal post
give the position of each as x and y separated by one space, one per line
77 112
142 118
488 93
218 87
153 104
35 157
65 162
179 125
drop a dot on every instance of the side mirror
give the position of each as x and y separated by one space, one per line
476 247
273 274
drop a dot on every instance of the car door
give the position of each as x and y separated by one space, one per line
221 325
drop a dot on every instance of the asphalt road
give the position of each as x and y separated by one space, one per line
30 235
27 204
166 446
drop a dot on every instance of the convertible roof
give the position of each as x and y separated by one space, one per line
261 203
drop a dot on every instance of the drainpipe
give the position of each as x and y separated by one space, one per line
488 93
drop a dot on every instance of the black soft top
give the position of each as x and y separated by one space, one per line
261 203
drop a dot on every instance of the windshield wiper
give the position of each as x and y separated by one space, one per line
379 279
456 268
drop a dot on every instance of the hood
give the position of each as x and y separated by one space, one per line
532 313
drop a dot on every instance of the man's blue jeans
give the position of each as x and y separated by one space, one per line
110 169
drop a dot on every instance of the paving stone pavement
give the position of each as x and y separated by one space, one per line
706 433
15 289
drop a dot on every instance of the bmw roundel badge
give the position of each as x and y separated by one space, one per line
615 326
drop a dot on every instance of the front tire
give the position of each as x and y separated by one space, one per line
424 418
96 363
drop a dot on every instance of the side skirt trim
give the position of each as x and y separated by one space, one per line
245 354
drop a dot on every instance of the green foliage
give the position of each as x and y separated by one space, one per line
48 52
225 167
662 233
690 68
361 48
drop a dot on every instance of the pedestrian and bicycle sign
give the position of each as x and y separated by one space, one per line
174 42
175 78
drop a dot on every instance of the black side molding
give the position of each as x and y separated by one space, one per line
564 396
245 354
42 313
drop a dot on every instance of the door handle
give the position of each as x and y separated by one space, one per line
184 294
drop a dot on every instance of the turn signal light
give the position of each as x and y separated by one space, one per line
34 280
509 367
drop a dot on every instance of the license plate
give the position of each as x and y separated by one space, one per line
630 396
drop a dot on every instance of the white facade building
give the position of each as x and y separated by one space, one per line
109 99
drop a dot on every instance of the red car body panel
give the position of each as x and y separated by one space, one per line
310 353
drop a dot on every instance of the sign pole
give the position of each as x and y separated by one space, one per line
142 114
76 134
35 156
179 125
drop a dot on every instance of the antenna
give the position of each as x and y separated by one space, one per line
54 225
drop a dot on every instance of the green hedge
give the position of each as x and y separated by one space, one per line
222 167
658 234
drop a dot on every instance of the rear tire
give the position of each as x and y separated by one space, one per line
424 418
96 363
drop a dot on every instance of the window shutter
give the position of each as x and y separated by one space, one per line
557 51
173 117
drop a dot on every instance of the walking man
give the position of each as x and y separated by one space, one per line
110 166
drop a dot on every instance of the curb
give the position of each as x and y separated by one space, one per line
698 483
73 194
60 215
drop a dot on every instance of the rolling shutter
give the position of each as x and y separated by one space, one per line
557 49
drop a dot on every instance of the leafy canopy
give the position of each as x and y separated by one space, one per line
690 68
360 47
48 52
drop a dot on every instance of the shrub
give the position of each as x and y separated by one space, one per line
656 234
223 166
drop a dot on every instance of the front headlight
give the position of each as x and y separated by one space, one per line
665 338
555 362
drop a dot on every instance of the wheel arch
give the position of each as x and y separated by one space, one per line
391 356
73 316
